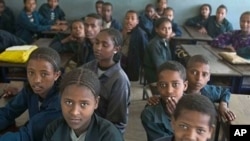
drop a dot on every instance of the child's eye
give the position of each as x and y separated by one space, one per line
175 85
200 131
44 74
30 73
162 85
183 126
84 105
205 74
68 103
194 72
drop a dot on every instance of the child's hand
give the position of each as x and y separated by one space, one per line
70 38
156 16
154 100
63 27
171 105
203 30
226 113
9 92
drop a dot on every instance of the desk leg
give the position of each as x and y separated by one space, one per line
236 84
3 74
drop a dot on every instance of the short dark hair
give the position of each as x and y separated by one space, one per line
116 35
160 0
74 21
26 0
168 9
3 2
95 16
222 6
132 11
161 20
244 13
197 59
107 4
99 2
149 6
198 103
82 77
173 66
48 54
209 7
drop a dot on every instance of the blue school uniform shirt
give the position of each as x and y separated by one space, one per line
165 139
176 29
7 20
147 25
156 122
197 21
114 96
7 40
214 29
98 130
216 93
51 15
134 60
116 25
157 52
29 27
39 117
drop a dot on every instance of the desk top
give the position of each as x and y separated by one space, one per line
185 35
217 66
244 69
240 104
197 35
43 42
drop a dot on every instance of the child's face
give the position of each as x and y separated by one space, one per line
164 30
150 12
245 23
78 104
131 20
53 3
221 14
198 75
162 4
192 126
30 5
106 12
104 48
171 85
77 30
169 14
205 11
41 76
98 8
92 27
2 7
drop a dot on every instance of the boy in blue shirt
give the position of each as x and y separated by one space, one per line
7 18
218 24
193 119
108 20
171 84
51 11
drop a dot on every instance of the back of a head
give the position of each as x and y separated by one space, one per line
197 59
173 66
47 54
81 77
198 103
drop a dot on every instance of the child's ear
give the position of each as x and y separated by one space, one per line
57 75
97 101
185 85
211 131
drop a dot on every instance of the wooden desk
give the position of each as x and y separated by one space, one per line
43 42
184 37
52 33
193 32
217 66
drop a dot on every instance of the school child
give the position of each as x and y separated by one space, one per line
200 20
146 20
98 7
7 40
156 119
40 97
30 23
7 18
157 51
51 11
218 24
79 91
193 119
160 6
169 13
198 74
236 40
115 86
134 44
74 43
108 20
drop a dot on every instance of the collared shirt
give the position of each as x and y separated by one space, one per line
234 38
106 24
125 46
216 93
156 122
75 138
114 95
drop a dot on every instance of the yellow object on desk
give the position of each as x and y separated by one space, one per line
17 54
233 58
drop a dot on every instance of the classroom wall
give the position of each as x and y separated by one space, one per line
183 8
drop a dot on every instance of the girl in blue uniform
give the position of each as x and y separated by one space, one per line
40 97
79 98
